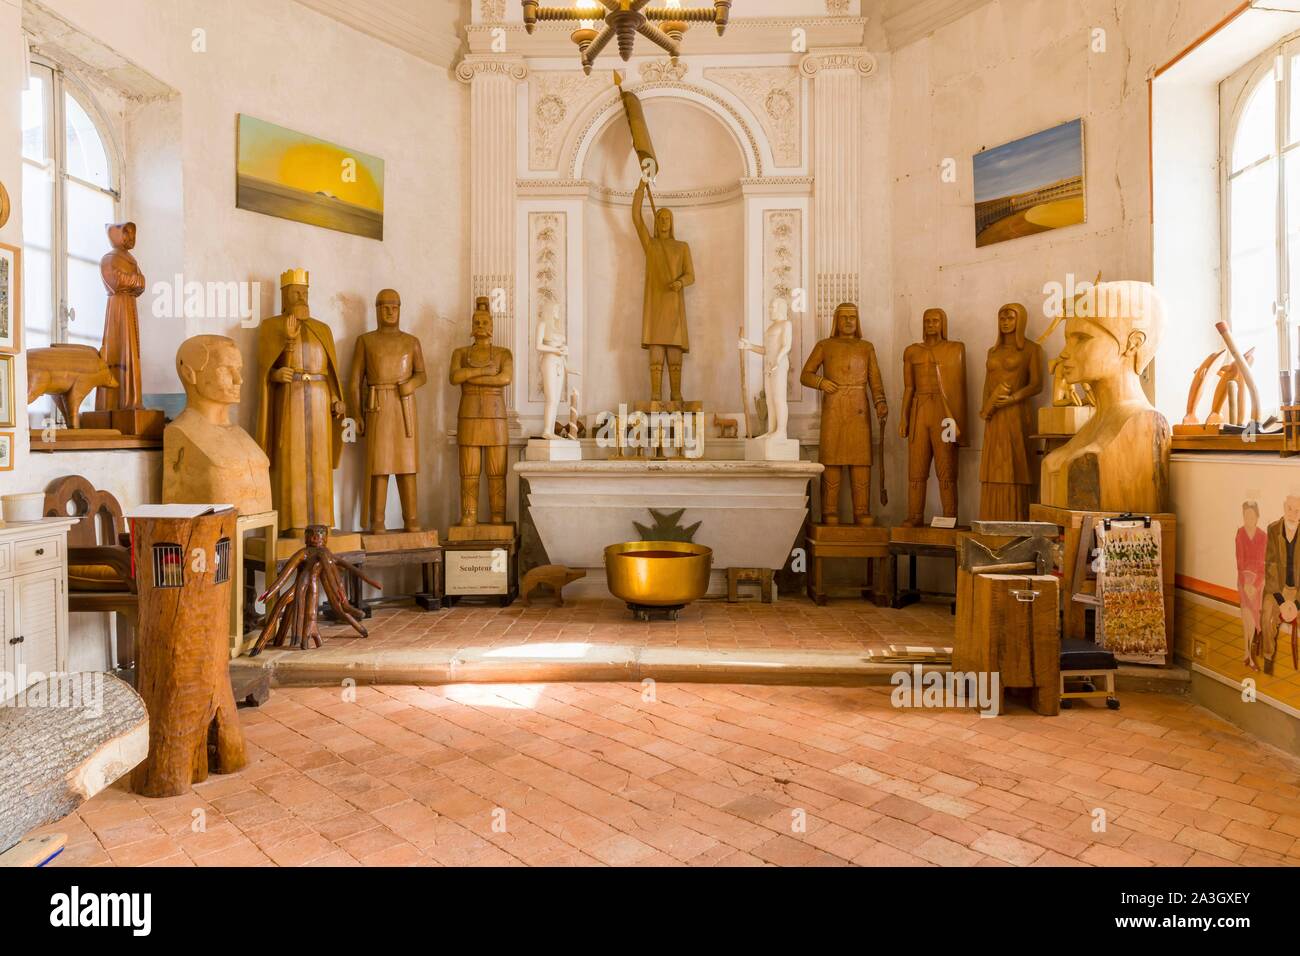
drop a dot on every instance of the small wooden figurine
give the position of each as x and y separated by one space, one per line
934 415
292 619
554 576
844 369
68 373
1014 378
125 283
482 371
1119 460
387 369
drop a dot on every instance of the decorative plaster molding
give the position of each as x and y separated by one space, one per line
615 101
553 187
654 71
785 185
475 64
424 29
710 196
494 11
837 8
555 98
548 234
818 60
775 95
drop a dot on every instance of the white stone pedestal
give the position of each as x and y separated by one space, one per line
748 512
771 449
553 449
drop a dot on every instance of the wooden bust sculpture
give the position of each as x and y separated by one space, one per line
668 271
300 411
482 371
1119 460
124 283
206 458
387 368
934 414
1014 376
844 369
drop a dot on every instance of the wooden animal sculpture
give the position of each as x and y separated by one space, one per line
554 576
68 373
727 427
314 567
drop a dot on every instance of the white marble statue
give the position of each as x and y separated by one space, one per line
778 339
553 348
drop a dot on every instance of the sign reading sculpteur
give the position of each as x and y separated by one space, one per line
478 572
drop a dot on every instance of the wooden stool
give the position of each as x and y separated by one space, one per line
759 576
840 542
1009 624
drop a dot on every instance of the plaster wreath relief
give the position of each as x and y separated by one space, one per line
659 71
548 265
556 97
494 11
773 93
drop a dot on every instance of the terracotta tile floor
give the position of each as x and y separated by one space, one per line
706 775
793 623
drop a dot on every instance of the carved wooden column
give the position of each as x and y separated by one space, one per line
493 118
837 77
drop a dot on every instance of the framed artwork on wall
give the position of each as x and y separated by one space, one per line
7 391
6 451
1035 184
11 301
294 176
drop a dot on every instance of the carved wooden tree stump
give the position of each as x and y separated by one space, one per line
63 740
183 674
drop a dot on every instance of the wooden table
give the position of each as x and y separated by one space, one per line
913 543
430 562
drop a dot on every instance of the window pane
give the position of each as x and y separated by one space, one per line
89 211
87 156
1265 368
1257 130
36 139
38 273
1293 121
1254 214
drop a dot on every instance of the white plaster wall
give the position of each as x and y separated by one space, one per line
284 63
1007 70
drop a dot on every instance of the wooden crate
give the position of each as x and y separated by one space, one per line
1009 625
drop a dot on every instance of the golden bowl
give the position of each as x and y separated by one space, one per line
658 573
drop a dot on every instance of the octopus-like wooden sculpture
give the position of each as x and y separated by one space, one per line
313 568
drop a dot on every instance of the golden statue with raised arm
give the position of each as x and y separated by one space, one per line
668 271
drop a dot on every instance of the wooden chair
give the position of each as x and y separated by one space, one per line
99 549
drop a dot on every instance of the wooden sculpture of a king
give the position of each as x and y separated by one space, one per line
300 409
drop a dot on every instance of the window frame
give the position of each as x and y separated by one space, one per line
62 82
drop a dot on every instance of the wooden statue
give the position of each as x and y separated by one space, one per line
1119 460
68 373
844 369
387 369
552 576
668 271
482 371
312 568
300 408
934 415
183 657
1014 377
1281 599
121 349
206 458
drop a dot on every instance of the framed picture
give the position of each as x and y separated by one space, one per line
6 451
11 299
295 176
7 419
1033 185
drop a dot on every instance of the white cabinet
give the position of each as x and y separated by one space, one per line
33 601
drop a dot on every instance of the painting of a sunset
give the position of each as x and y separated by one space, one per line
1033 185
294 176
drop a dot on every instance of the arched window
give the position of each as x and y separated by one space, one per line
71 190
1261 164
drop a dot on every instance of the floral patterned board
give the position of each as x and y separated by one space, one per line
1129 585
